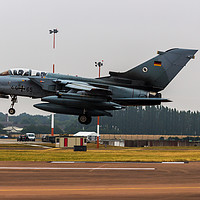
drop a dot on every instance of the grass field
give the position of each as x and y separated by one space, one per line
22 152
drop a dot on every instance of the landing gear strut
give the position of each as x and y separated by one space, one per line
84 119
13 100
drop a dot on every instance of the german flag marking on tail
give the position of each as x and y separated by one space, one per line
157 64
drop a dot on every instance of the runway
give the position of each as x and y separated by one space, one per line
36 180
79 168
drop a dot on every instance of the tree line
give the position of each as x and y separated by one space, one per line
154 120
158 120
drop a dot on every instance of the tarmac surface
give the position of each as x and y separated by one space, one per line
8 141
42 180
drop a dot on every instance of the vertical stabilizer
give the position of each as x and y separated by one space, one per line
160 70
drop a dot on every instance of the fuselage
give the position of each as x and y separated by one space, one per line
20 85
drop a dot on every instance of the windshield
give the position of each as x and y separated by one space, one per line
31 135
23 72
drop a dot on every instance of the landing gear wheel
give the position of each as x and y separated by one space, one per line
13 101
11 111
84 119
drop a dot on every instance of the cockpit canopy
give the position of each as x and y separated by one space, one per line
23 72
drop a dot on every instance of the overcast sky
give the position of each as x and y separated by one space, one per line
124 33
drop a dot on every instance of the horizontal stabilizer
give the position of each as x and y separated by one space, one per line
114 73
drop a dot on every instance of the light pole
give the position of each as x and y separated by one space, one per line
54 31
98 64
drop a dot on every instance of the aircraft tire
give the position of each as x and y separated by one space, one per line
11 111
84 119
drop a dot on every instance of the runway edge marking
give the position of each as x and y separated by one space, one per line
75 168
69 162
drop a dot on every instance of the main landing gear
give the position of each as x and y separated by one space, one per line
84 119
11 111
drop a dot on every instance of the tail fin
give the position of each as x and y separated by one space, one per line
157 72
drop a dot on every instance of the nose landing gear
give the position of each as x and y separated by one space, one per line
11 111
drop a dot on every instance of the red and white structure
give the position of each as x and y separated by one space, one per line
54 31
98 64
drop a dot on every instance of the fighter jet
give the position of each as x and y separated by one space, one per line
86 97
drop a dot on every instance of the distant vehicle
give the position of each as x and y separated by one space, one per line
46 138
26 137
3 136
30 136
22 137
91 136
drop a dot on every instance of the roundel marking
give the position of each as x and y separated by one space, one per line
145 69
